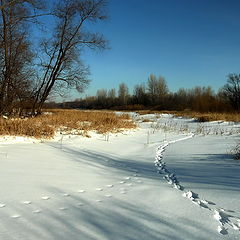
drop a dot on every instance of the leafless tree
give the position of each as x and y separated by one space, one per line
231 91
112 93
123 94
102 97
140 95
60 65
157 89
5 4
15 52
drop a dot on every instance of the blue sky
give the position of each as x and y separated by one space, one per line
189 42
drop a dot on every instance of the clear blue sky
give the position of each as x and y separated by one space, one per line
189 42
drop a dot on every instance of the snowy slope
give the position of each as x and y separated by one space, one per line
90 188
207 169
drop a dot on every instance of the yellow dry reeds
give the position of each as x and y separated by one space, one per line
67 121
21 127
206 117
201 117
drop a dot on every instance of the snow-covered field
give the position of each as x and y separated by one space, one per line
172 178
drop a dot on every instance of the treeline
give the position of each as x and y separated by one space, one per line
31 71
155 95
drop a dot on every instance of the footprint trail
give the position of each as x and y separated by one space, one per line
221 215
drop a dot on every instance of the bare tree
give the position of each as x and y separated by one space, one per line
152 87
231 91
139 94
6 4
15 52
202 99
61 65
102 97
111 97
112 93
123 94
157 89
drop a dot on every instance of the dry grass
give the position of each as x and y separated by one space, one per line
201 117
206 117
67 121
80 122
144 112
147 120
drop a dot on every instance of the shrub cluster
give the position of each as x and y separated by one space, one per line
67 121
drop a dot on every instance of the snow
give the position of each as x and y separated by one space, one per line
171 178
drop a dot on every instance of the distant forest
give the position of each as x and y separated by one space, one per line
155 95
32 70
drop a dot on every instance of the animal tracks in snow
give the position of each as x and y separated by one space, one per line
66 195
37 211
106 193
129 184
195 199
63 208
81 191
221 215
224 218
15 216
26 202
80 204
45 197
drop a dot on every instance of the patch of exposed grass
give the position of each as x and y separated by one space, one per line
67 121
147 120
32 127
144 112
206 117
201 117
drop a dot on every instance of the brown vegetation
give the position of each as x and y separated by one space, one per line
157 97
66 121
201 117
206 117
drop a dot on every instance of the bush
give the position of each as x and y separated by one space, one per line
236 151
203 118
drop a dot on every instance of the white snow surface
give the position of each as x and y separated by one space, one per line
171 178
